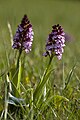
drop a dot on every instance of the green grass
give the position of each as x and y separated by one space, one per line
61 104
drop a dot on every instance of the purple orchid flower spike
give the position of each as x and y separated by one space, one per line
55 42
24 36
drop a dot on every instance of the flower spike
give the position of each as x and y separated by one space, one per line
24 35
55 42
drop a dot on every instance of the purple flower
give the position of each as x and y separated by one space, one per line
55 42
68 37
24 35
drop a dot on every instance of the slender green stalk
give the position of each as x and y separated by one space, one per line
45 74
17 75
20 51
43 81
51 57
46 71
18 68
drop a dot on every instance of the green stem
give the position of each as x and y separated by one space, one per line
20 51
16 80
45 75
51 57
17 66
43 81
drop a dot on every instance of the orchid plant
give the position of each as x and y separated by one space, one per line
22 41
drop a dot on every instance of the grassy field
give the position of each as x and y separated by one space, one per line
43 14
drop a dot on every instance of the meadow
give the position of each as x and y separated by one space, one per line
63 79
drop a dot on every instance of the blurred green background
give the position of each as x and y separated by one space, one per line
42 14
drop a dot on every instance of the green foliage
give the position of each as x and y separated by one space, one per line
62 81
